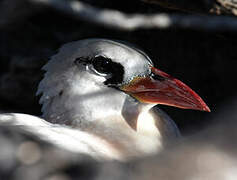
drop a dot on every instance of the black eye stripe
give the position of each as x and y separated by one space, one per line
102 64
107 66
117 73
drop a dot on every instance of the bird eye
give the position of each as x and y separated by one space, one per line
102 64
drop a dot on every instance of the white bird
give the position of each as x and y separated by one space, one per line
98 97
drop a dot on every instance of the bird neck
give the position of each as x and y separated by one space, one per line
79 106
113 116
101 106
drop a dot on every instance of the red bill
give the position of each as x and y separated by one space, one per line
161 88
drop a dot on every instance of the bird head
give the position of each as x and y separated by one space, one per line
105 72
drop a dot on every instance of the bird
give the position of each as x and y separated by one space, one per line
99 98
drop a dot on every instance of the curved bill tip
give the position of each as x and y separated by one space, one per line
206 108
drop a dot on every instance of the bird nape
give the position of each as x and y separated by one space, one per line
105 91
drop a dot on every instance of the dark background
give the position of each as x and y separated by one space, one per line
204 60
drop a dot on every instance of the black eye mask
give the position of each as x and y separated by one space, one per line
104 65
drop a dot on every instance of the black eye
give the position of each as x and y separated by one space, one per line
102 64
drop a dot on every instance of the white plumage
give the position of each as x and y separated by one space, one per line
91 110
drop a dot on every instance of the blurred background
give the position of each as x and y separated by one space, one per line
195 42
199 50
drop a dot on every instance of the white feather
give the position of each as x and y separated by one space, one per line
65 137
